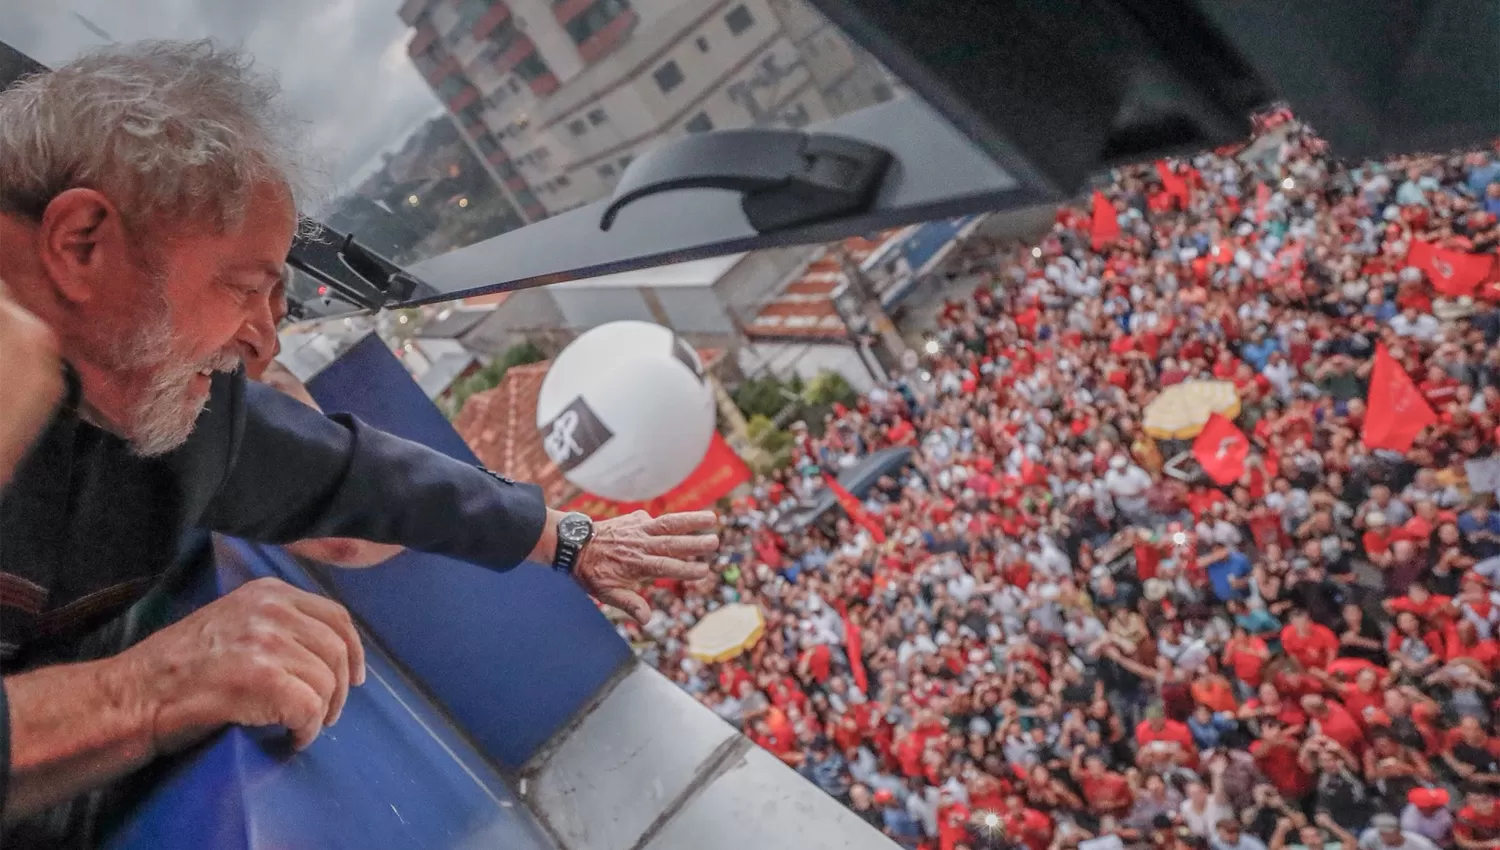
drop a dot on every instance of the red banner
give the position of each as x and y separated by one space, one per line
854 509
1396 411
1221 449
1174 184
1104 223
715 477
1453 273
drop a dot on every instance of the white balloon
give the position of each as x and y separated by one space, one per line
626 411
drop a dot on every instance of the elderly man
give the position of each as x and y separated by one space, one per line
147 205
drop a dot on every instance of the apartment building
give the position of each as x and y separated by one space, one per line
560 95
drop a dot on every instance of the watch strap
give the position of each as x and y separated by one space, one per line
566 556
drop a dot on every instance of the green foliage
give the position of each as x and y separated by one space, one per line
773 446
761 397
829 388
491 375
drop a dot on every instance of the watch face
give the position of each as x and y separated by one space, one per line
575 528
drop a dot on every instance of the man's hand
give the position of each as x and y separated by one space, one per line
31 373
266 654
630 550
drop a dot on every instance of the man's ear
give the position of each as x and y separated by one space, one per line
82 241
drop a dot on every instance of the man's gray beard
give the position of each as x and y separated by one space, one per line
163 416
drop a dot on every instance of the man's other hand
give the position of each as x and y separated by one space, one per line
628 551
31 378
266 654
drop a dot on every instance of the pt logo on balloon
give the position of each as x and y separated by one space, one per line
574 435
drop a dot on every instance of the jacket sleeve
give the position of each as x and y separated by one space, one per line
295 474
4 745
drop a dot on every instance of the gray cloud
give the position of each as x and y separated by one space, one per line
342 63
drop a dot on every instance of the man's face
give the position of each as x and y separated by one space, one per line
206 309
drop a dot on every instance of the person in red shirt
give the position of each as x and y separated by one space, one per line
1313 645
1105 791
1276 754
1246 655
779 744
1335 721
1161 741
1477 824
1029 826
1268 706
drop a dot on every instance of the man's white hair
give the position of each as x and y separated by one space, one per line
168 131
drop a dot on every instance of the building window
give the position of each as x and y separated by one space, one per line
702 44
502 39
701 123
624 162
597 117
470 114
563 181
668 76
487 144
595 18
532 68
515 87
577 127
526 198
469 13
450 87
606 171
738 20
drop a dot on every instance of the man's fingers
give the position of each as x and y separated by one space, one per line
653 567
684 546
629 602
305 693
321 640
301 712
695 522
336 617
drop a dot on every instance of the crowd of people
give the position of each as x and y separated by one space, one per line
1034 636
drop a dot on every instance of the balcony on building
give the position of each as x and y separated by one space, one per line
606 40
498 14
463 99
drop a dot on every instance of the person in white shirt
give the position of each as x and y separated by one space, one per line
1417 325
1206 806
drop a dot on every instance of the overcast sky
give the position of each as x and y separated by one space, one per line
342 63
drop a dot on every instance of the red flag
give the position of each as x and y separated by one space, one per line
854 509
1397 411
1453 273
1262 202
1221 449
1104 227
1174 184
854 648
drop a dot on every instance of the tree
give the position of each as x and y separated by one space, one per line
490 376
772 447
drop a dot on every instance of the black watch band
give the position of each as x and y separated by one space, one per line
566 556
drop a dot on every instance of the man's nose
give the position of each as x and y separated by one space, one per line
258 337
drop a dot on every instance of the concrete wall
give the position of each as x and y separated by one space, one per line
648 768
784 359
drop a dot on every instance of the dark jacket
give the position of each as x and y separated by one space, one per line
87 527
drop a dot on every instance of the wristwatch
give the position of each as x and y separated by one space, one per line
574 531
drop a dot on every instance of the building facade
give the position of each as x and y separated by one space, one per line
559 96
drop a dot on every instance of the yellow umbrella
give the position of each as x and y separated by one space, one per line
725 633
1181 410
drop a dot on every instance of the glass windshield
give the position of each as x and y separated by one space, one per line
444 122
